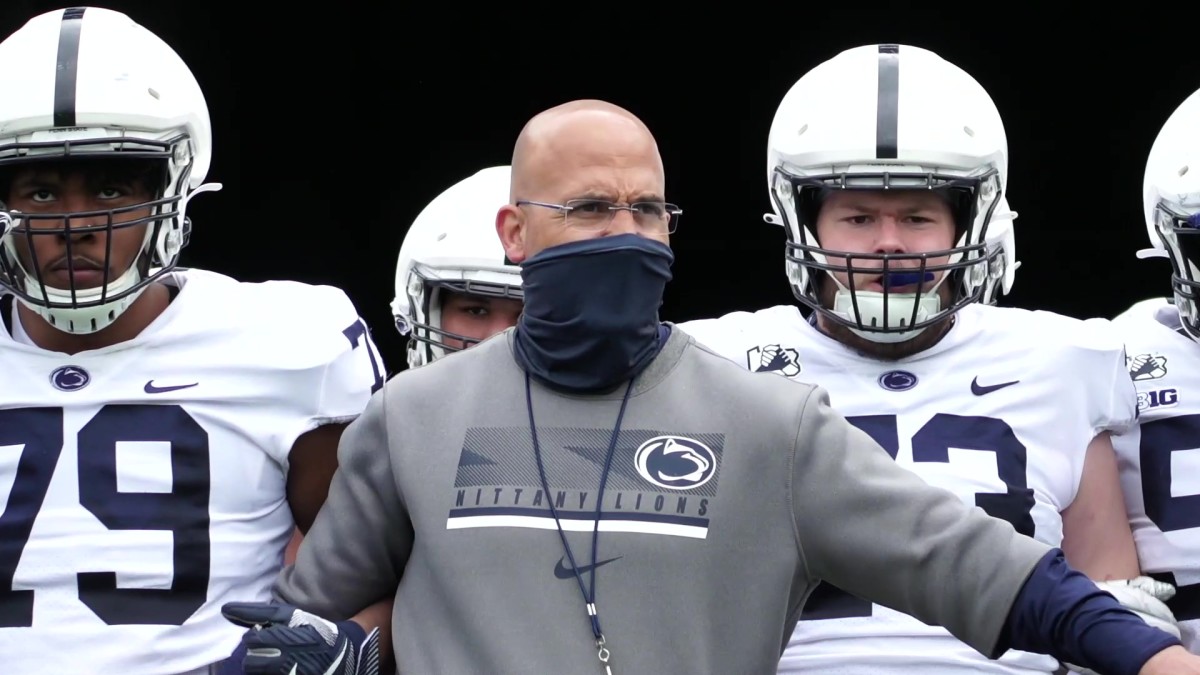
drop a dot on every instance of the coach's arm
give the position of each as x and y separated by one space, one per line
876 530
355 551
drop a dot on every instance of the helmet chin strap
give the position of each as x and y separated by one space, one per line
874 306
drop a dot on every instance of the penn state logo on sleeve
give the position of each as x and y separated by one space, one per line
773 358
659 482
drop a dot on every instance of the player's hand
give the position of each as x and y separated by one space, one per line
283 639
1172 661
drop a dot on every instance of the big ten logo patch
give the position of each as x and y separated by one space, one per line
1157 398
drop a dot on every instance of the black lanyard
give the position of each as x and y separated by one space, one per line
589 598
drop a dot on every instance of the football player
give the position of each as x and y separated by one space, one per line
731 494
454 289
1158 458
887 168
454 285
165 429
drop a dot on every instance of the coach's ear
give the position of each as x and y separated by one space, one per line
511 228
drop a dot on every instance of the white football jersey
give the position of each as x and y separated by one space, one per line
143 484
1000 412
1160 458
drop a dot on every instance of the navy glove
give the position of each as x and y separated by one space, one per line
283 640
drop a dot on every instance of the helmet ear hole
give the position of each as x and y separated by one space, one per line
402 325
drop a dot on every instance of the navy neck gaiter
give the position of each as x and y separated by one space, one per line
590 320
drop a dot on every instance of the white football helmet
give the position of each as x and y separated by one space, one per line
899 118
1171 199
452 244
89 83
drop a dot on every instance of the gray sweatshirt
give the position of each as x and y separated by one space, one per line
729 496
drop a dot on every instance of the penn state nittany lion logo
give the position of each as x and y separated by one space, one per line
768 358
69 378
675 462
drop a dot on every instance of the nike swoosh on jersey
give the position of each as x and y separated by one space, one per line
152 389
563 572
980 390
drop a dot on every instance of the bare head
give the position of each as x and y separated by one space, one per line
585 149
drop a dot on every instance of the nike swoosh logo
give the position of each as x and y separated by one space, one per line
979 390
563 572
151 389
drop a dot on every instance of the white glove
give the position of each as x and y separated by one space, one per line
1145 597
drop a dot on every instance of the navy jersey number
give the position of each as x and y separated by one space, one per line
359 336
932 443
183 511
1160 439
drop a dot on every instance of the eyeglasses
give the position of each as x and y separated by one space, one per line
593 214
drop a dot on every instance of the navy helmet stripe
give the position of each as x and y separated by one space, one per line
67 68
888 106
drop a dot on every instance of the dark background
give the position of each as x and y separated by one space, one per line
334 126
